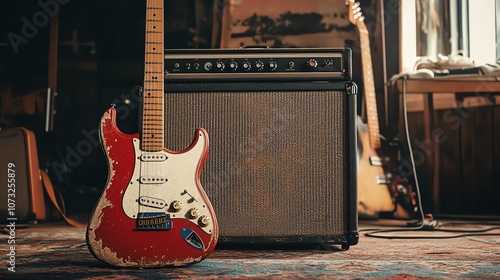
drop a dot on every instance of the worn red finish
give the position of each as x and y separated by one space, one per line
112 236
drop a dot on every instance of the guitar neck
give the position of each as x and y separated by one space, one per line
369 86
153 91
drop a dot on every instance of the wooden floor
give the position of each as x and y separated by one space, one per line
58 251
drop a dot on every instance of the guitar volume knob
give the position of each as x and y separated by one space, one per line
176 206
204 221
194 213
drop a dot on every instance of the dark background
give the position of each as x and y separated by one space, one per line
100 62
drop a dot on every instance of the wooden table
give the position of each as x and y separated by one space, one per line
455 98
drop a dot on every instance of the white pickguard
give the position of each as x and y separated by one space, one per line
161 178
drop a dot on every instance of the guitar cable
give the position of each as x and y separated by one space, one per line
422 223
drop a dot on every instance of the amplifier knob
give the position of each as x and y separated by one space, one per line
312 63
259 65
233 65
272 65
246 66
219 65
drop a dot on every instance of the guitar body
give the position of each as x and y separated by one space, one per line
153 211
373 192
381 191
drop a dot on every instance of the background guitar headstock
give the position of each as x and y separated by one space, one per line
355 15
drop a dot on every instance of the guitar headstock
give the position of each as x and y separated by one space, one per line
355 15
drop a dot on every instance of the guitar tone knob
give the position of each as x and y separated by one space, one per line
194 213
176 205
204 221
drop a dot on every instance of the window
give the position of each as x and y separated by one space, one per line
449 27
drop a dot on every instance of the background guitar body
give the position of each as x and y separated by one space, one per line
373 193
119 240
381 191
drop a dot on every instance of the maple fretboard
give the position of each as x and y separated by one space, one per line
153 90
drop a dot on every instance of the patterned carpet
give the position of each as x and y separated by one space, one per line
57 251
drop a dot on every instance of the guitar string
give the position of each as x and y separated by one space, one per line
145 124
150 169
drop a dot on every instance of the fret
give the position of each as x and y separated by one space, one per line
158 106
370 94
152 139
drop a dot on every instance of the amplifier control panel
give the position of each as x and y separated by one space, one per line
258 64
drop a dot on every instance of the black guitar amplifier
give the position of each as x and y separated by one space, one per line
281 122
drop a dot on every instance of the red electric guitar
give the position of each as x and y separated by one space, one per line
153 211
380 188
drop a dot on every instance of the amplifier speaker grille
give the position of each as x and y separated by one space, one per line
278 163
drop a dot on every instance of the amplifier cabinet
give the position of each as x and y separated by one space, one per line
21 191
282 157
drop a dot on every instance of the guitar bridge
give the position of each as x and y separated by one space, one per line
153 221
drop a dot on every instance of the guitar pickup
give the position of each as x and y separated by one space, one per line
153 180
152 202
151 157
378 161
384 180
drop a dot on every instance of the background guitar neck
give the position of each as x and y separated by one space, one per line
153 93
369 85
